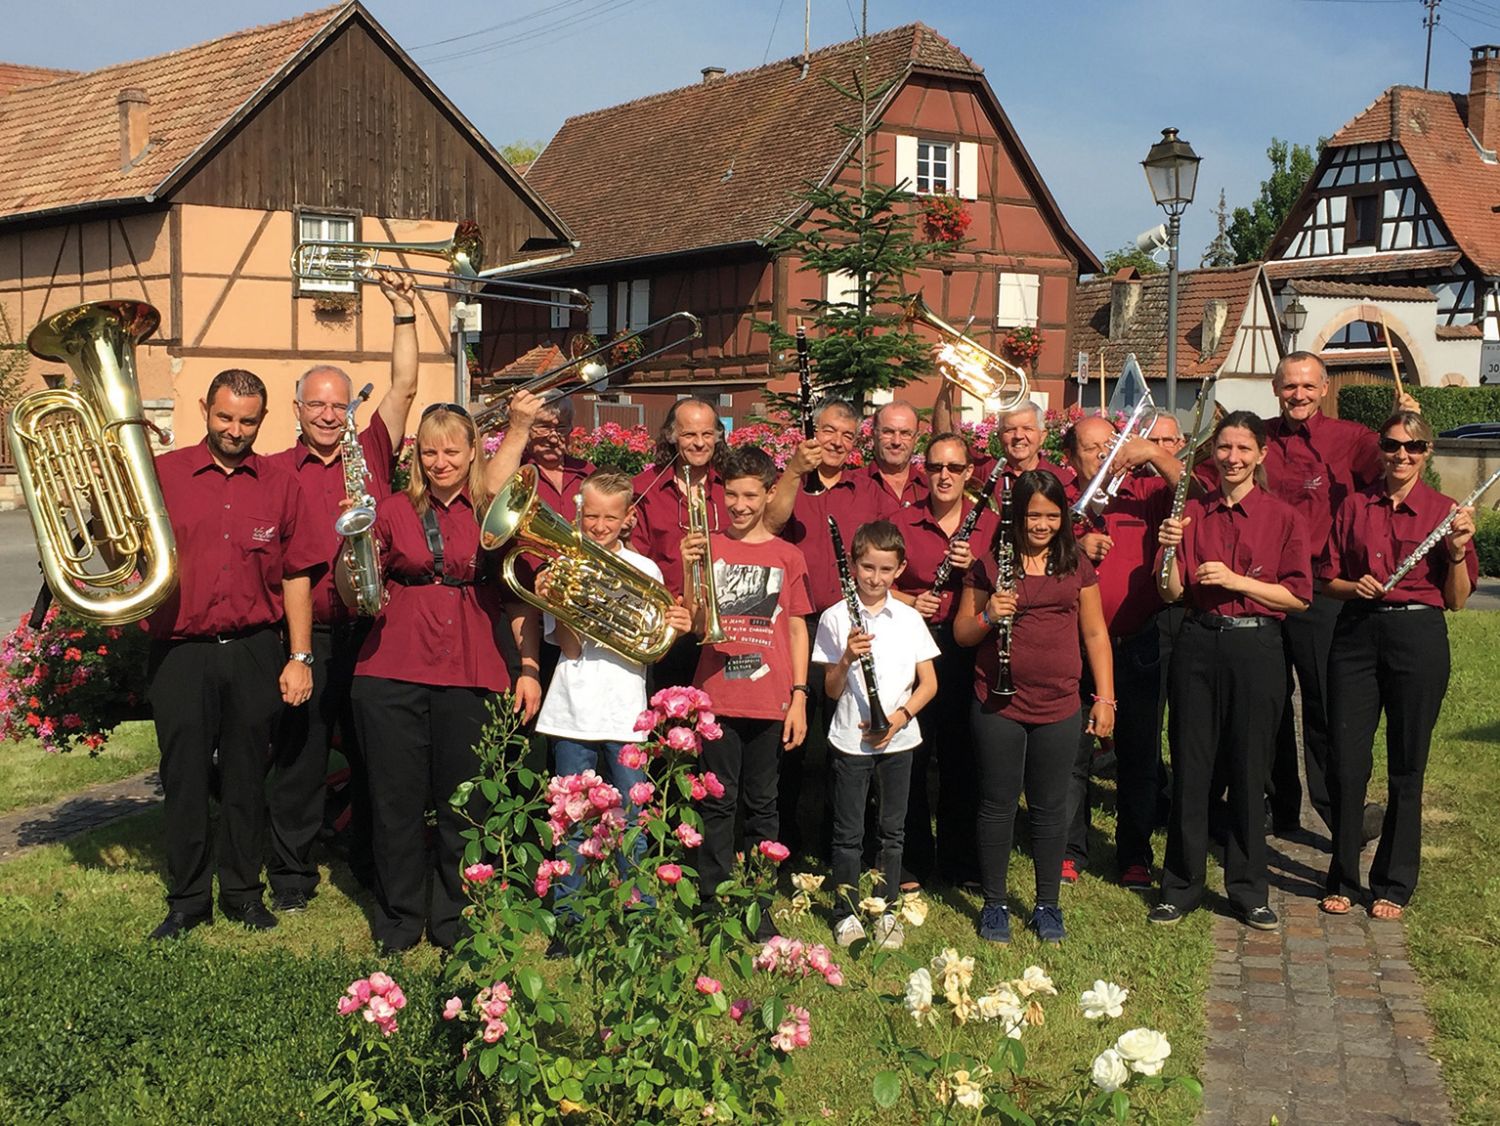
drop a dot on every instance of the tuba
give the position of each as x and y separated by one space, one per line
589 588
86 467
968 365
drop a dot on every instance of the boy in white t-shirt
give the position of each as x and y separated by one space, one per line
897 638
595 694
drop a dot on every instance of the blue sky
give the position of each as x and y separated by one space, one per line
1088 83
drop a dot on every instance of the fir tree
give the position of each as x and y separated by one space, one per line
1220 252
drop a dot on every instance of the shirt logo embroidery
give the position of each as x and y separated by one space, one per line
1313 484
1254 572
264 535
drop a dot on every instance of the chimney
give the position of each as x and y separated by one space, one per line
1484 97
135 125
1124 298
1215 314
712 74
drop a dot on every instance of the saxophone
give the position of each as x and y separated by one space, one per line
361 552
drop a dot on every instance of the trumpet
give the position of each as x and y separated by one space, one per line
699 578
589 371
968 365
329 260
1102 487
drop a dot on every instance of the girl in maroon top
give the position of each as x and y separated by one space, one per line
1028 740
1390 653
427 673
1242 565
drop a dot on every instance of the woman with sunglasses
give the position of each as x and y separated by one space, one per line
1241 563
431 665
930 529
1390 653
1028 740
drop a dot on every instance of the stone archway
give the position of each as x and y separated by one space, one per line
1400 336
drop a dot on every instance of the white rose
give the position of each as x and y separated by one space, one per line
913 910
872 905
955 973
1106 999
1110 1072
1001 1003
806 882
1144 1049
966 1092
1035 980
919 995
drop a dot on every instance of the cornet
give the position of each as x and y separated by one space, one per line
1103 487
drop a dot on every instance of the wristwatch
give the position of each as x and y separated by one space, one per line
304 658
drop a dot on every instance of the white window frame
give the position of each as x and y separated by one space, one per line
599 311
632 305
1018 300
841 287
925 179
319 226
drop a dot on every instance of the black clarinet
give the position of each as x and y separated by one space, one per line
879 724
804 381
1005 567
966 529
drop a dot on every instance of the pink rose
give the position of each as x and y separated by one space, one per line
641 793
479 873
696 789
774 851
632 757
706 985
682 739
604 797
396 998
360 990
710 731
493 1031
738 1010
647 720
669 873
688 835
349 1005
453 1009
380 984
833 976
712 784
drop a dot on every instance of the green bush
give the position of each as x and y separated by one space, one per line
1487 543
1443 407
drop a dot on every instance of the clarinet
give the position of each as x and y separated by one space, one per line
1005 567
1405 566
804 381
1180 494
879 724
987 490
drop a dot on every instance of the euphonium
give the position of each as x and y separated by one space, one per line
968 365
589 588
700 575
361 552
86 467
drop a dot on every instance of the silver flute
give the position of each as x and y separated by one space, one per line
1405 566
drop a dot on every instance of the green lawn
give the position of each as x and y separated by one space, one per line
32 776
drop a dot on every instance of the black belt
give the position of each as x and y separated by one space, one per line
1393 607
226 636
340 627
1220 621
430 580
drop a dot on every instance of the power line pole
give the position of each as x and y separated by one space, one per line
1429 21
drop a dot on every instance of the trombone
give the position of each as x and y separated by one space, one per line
591 373
327 260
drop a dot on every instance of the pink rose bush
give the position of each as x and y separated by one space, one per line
377 998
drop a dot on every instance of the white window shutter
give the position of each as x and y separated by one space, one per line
968 170
622 305
559 313
599 311
842 287
640 304
906 161
1019 295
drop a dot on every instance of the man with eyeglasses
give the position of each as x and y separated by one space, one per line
299 778
559 475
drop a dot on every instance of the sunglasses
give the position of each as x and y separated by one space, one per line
454 407
955 468
1414 447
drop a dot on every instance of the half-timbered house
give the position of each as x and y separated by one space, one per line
185 180
677 199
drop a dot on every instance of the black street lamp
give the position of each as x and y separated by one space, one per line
1172 171
1294 316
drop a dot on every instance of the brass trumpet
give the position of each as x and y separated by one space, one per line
699 578
589 588
969 365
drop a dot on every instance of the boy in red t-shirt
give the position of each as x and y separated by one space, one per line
757 676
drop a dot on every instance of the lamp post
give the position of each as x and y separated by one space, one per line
1294 316
1172 172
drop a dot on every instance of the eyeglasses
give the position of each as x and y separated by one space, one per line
1391 445
316 407
545 428
454 407
955 468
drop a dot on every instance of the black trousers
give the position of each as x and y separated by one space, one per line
1012 756
1227 694
1306 641
677 665
852 775
419 743
946 741
745 760
299 777
1397 662
208 695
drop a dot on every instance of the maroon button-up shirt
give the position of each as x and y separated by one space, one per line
984 465
1317 466
446 636
850 505
661 520
927 547
1261 537
1372 536
1127 575
563 501
323 487
239 534
880 499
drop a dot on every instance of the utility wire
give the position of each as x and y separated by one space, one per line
577 19
772 37
478 31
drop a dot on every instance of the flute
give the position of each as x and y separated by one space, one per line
1405 566
879 724
987 490
1005 579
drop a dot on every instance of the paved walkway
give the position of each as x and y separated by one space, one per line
1321 1022
77 813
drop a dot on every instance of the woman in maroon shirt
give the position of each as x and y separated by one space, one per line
1390 653
1242 565
1029 739
427 672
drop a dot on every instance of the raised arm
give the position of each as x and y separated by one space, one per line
395 405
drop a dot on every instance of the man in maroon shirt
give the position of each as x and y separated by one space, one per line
219 673
559 475
1022 429
892 481
299 780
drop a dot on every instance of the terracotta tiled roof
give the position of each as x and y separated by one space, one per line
13 76
1146 333
60 141
1361 264
544 357
1431 125
1312 287
1459 332
721 162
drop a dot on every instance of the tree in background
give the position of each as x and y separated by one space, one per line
522 152
13 364
1127 256
1251 228
1220 252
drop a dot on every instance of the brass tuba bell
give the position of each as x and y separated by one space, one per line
589 589
86 467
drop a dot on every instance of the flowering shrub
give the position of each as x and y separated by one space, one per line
69 683
944 218
624 347
372 1004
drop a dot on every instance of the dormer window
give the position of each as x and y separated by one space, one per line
1364 220
934 167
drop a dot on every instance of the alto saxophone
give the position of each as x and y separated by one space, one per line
361 552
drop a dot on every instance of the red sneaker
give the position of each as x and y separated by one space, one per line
1136 877
1069 872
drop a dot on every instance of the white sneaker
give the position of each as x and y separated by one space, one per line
889 933
848 931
